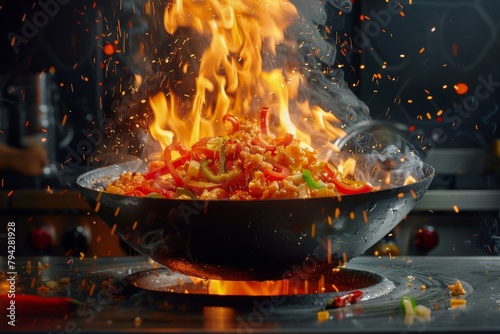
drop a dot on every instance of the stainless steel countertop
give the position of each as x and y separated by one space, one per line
112 311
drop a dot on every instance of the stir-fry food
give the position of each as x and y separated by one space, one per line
247 163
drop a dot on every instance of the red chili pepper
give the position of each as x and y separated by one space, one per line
167 155
346 186
344 300
277 172
235 123
200 150
285 141
201 142
265 115
35 305
154 174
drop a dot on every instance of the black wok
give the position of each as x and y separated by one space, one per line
250 240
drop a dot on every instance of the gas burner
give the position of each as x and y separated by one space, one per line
316 291
131 294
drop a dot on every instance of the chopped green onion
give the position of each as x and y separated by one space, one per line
408 304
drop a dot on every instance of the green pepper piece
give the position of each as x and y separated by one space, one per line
217 178
179 191
307 177
154 195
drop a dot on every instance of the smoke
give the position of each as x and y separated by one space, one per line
382 154
326 86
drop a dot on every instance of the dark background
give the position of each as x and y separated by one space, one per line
444 43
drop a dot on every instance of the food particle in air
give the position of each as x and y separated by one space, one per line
42 289
64 280
52 285
39 266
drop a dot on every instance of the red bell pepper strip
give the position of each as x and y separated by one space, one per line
154 174
37 305
201 152
285 141
277 172
157 173
167 156
265 116
200 149
347 186
235 123
344 300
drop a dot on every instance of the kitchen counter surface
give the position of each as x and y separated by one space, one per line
111 304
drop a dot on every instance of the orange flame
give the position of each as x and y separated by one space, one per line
248 288
232 77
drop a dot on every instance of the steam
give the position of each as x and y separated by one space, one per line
381 156
329 91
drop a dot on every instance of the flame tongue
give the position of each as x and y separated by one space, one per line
248 288
231 77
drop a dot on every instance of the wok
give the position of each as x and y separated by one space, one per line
253 239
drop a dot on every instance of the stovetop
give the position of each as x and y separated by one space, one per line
109 302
